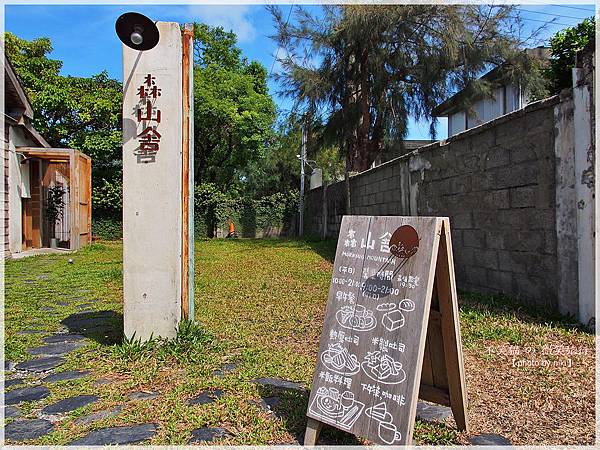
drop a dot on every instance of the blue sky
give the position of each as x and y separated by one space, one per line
84 39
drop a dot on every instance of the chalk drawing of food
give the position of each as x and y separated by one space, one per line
339 360
357 318
330 406
383 368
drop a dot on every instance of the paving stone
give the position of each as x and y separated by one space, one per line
32 331
13 382
10 412
66 375
22 430
63 303
69 404
206 397
276 383
267 404
141 395
9 365
207 434
489 439
63 338
272 402
117 435
225 369
40 364
430 412
99 415
102 381
46 309
84 305
26 394
59 348
96 321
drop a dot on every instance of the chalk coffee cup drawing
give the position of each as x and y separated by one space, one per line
389 433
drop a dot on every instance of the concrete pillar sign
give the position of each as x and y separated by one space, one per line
153 182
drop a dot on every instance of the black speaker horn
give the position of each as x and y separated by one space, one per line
137 31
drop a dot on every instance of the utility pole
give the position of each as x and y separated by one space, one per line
302 163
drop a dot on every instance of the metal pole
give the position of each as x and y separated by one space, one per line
302 162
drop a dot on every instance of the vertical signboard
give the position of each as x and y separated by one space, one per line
152 186
388 279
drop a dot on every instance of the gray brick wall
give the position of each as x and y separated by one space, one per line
495 182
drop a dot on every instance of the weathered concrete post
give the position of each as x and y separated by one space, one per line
157 186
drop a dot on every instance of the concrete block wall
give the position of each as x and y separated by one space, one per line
497 185
495 182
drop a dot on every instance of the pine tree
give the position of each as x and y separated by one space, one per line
367 69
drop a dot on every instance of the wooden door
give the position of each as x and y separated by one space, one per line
84 201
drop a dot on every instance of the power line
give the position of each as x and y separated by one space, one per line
550 14
277 52
550 22
575 7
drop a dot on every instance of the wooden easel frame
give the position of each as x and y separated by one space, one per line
444 374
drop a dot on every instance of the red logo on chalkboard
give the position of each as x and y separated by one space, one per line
404 243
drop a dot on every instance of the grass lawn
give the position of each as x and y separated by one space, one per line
261 304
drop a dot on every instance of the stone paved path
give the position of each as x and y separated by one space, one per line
26 394
40 364
66 375
21 430
207 434
489 439
13 382
10 412
117 435
63 337
99 415
69 404
141 395
48 358
206 397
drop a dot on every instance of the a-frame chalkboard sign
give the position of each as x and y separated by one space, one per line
391 333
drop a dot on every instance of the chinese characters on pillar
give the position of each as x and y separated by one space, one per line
148 117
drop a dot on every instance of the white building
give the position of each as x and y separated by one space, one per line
507 97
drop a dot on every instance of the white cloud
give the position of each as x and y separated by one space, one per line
231 17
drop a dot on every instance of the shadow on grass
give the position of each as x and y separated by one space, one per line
104 327
291 409
474 306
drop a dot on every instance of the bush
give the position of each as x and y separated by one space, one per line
214 208
107 228
565 45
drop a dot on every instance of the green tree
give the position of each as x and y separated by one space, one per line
564 46
367 69
77 112
233 111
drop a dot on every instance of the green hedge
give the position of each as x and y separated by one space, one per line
251 216
214 208
107 228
